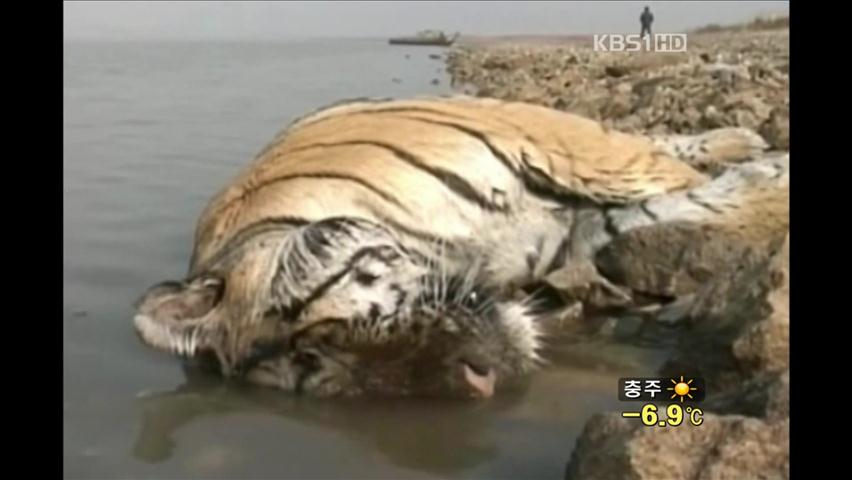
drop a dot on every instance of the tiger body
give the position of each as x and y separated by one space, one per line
515 189
480 173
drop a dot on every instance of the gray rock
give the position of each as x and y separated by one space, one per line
674 259
729 446
739 323
616 70
776 129
740 344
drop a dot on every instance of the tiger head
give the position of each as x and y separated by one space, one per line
343 308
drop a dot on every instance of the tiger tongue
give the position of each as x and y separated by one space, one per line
483 384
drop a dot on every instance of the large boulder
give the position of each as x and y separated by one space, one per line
722 447
739 324
738 340
673 259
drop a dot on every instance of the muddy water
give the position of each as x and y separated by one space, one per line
151 131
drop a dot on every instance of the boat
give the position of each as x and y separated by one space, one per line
426 38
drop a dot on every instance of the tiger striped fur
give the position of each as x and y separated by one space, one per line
372 245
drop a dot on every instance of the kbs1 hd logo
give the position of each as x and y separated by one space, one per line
659 42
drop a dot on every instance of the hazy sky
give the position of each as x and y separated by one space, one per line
270 20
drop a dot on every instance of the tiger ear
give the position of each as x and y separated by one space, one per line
170 301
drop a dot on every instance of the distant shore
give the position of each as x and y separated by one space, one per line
765 24
499 40
478 41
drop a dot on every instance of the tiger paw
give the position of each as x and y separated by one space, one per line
581 281
711 151
729 145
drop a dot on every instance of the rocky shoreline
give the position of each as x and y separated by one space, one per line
732 289
722 80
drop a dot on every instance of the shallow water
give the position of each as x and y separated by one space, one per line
152 130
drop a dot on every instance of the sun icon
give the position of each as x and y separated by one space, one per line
681 389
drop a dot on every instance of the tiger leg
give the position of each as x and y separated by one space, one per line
749 199
712 150
569 267
751 196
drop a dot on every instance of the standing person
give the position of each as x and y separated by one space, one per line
647 18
